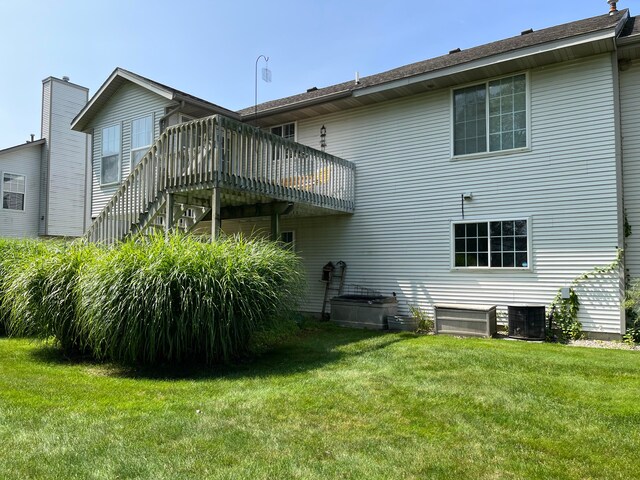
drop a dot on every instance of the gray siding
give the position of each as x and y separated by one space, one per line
22 160
408 193
67 157
630 116
128 103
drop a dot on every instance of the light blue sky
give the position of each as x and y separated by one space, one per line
209 48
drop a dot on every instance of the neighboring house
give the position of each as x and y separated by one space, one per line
496 174
43 182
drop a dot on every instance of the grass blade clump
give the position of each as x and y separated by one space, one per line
44 293
178 298
16 257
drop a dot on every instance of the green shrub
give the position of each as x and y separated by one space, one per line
423 319
564 312
632 311
156 299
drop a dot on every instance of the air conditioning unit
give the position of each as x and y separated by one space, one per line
527 322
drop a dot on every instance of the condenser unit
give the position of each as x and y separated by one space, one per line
527 322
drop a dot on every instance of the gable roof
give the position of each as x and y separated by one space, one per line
534 42
120 76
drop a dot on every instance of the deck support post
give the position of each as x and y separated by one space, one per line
215 213
275 227
168 224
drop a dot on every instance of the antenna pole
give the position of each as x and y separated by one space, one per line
255 110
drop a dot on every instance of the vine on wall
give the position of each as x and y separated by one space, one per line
564 311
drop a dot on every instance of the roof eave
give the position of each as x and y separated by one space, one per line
206 105
267 112
478 64
23 145
79 123
492 60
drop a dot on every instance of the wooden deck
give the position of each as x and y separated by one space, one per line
217 166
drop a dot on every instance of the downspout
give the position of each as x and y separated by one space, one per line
619 172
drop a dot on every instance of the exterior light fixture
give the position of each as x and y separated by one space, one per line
323 138
467 196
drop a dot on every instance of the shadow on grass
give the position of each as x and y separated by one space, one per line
315 345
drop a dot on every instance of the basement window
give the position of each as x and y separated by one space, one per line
491 244
13 191
491 116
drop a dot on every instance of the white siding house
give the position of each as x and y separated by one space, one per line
492 175
64 196
20 169
43 182
409 191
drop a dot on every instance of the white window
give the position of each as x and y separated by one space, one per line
141 138
491 116
288 239
491 244
110 160
13 191
286 131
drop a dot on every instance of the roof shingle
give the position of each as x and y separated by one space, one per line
558 32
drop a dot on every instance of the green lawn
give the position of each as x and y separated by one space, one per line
330 403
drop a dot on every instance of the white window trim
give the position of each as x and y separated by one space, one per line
295 126
145 148
24 204
116 182
489 269
488 153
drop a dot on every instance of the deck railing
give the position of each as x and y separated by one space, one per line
218 152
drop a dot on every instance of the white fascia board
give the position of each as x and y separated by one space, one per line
163 92
23 145
486 62
301 104
127 76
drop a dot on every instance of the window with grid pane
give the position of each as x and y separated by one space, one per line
286 131
503 109
13 191
493 244
110 162
141 138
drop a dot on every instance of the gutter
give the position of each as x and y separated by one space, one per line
297 105
487 61
207 106
447 71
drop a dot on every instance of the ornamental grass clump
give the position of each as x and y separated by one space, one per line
43 293
178 298
16 257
